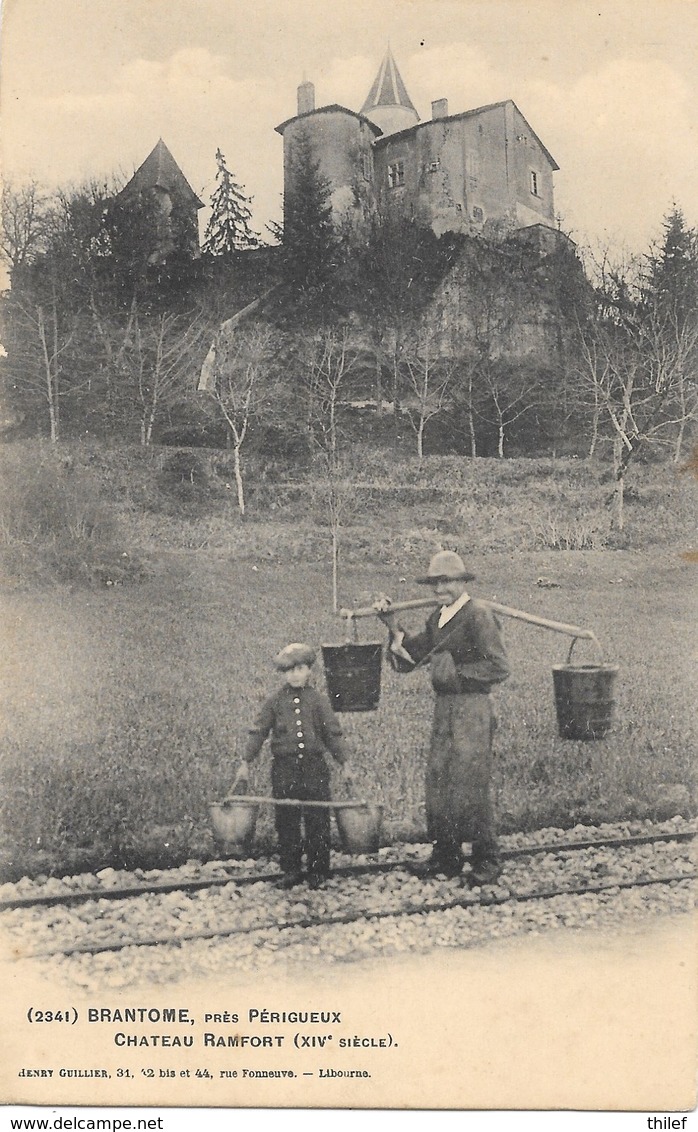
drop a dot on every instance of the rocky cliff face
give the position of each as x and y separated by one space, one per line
515 299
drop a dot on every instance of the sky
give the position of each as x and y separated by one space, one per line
88 86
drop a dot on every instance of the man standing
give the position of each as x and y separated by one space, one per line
462 642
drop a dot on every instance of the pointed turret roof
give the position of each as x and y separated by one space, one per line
388 88
161 171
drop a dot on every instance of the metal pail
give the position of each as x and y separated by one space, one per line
360 828
353 675
584 699
234 822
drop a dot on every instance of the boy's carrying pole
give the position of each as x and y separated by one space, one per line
234 820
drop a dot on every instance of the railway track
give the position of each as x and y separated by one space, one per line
509 891
126 891
346 918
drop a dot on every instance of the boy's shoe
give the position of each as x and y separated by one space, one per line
290 880
485 872
316 880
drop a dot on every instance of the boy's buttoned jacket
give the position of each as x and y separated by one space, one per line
300 721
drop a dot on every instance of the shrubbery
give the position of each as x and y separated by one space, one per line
184 484
55 526
76 514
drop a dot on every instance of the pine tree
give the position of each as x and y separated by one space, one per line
673 269
670 303
228 229
311 245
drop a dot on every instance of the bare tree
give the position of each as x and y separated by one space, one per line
37 363
686 403
158 357
635 364
513 389
490 311
243 385
330 357
429 380
23 215
671 347
74 304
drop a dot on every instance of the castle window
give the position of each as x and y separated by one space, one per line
396 174
366 166
432 166
535 186
472 167
478 214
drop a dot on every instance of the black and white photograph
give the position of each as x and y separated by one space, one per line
348 462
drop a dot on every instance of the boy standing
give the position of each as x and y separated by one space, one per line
303 726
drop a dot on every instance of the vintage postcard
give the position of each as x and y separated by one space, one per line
347 555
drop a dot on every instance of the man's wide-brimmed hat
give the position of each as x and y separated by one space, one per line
294 654
448 565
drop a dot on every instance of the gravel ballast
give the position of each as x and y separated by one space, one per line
401 906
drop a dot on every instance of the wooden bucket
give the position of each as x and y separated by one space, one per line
360 828
353 675
584 699
234 822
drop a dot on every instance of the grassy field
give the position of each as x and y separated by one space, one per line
122 706
394 509
140 615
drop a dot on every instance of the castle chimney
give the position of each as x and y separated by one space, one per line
306 98
439 108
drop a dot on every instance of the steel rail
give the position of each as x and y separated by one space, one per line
411 909
125 892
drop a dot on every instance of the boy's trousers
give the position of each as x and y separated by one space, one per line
307 777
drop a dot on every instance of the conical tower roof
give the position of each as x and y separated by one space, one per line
388 103
161 171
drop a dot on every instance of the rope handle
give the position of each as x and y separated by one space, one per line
352 629
594 640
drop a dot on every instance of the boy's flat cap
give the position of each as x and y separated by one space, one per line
294 654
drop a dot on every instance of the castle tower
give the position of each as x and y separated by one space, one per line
340 142
161 178
388 104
